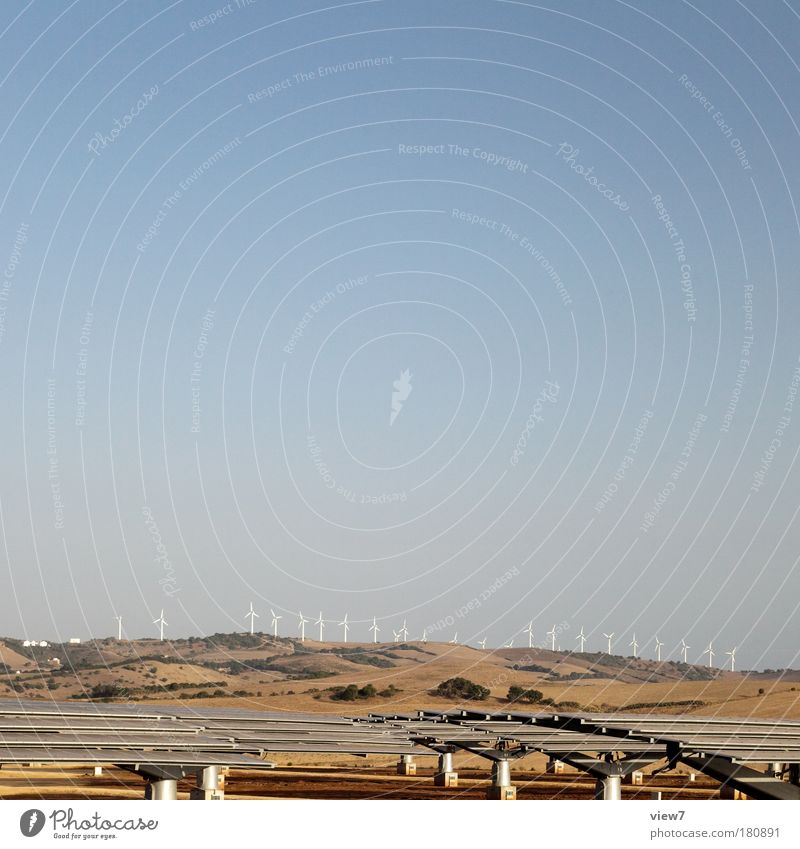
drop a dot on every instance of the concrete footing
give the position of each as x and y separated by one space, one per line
655 795
501 787
636 777
208 785
98 771
406 765
554 767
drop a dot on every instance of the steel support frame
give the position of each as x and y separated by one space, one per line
609 773
751 782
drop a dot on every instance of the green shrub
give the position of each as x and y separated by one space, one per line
520 694
461 688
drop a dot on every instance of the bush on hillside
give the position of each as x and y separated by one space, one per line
461 688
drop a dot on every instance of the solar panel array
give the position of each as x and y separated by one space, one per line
603 745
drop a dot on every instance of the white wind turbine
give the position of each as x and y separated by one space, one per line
455 638
732 655
634 644
609 637
659 646
161 622
374 630
552 634
529 632
275 619
321 623
582 638
252 616
396 636
424 637
346 626
509 645
404 632
710 652
119 627
684 650
302 626
482 643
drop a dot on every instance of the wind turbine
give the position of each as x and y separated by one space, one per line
302 626
509 645
552 634
609 637
482 643
659 646
321 623
275 619
582 638
404 632
684 650
346 625
424 637
119 627
162 622
252 616
396 636
529 632
374 630
634 644
710 652
455 638
732 655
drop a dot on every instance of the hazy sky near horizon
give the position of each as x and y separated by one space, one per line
464 313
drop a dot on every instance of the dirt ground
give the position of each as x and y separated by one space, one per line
342 779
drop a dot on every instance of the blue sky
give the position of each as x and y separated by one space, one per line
227 231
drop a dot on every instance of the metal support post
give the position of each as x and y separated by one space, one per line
208 784
445 775
406 765
165 789
501 787
609 788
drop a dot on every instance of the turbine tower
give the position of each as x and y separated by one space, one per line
634 644
374 630
119 627
529 632
482 643
710 652
396 636
302 626
346 626
404 632
161 622
609 637
455 638
552 634
275 619
509 645
424 637
732 655
582 638
321 623
684 650
659 646
252 616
